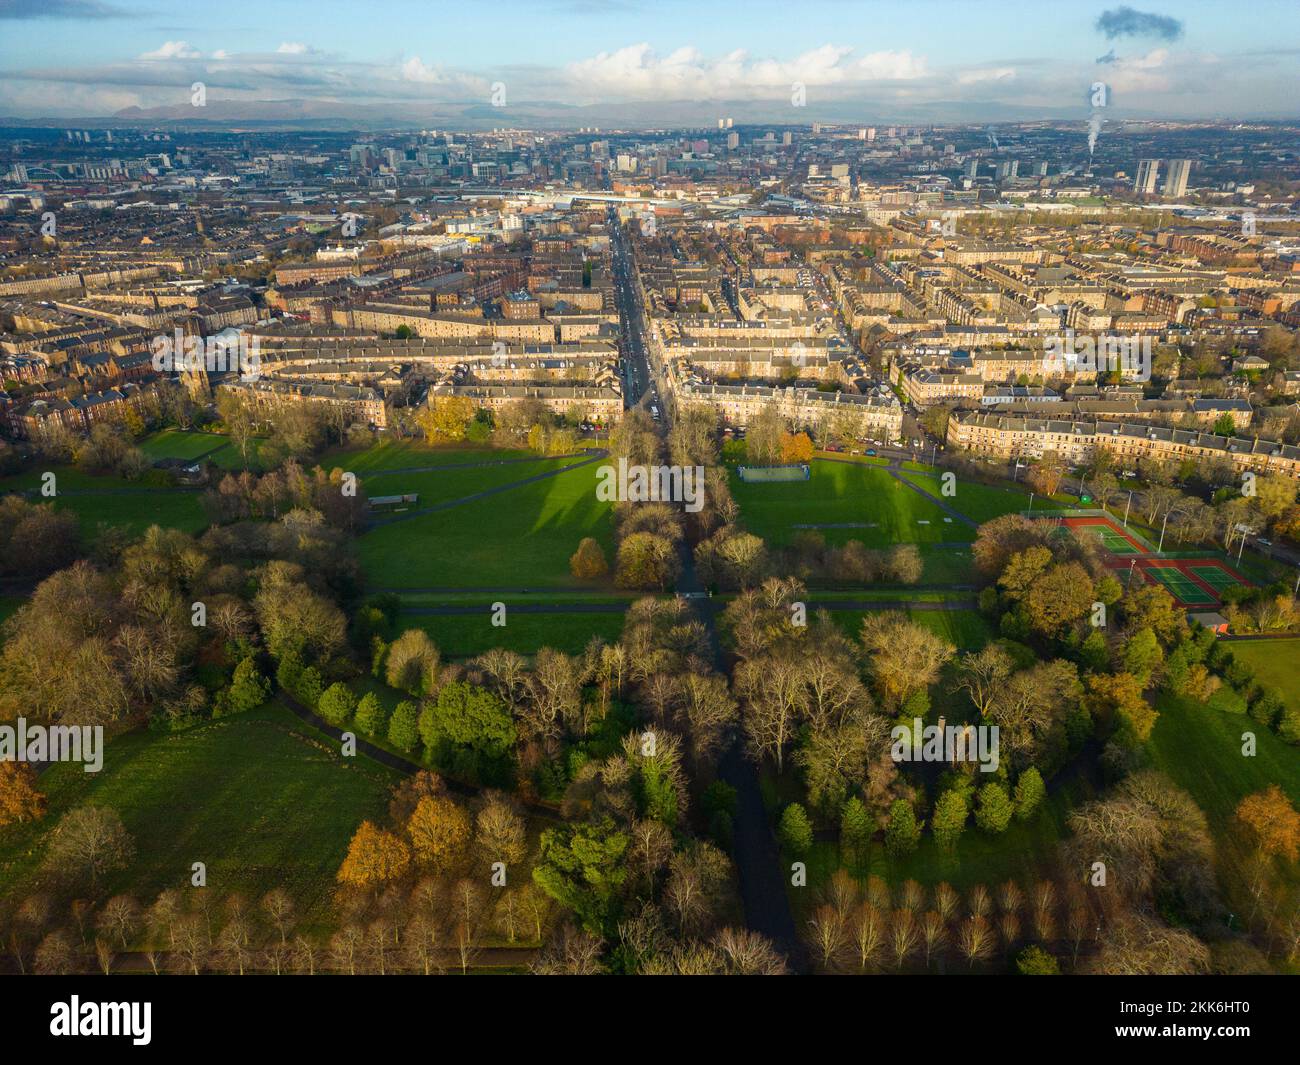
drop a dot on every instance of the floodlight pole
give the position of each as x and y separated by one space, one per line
1160 548
1127 506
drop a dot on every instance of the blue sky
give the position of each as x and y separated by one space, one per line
966 57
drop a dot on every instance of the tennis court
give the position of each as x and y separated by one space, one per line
1217 576
1180 585
1114 539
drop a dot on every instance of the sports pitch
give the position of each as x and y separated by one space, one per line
1193 582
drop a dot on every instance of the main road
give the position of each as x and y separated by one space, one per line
754 848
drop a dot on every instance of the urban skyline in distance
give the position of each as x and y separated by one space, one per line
610 65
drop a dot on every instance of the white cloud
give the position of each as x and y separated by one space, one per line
638 71
174 50
294 48
415 70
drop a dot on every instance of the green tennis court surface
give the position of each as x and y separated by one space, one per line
1180 585
1214 575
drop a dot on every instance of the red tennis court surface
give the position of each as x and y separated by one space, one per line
1113 538
1194 582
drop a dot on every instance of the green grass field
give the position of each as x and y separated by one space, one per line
464 636
261 799
866 501
979 502
444 485
404 454
178 444
524 537
1277 665
114 501
1200 748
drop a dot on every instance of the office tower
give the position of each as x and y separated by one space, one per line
1176 178
973 168
1148 171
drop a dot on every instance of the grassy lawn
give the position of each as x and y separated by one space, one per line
946 565
885 511
979 502
464 636
454 483
524 536
135 507
401 454
229 457
259 798
966 630
1276 663
179 444
1200 748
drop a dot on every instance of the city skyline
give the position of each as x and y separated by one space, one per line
608 65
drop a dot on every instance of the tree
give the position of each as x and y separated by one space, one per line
1058 598
500 833
20 799
375 857
1142 655
404 726
372 718
446 418
993 808
903 656
412 664
465 715
119 918
855 827
903 833
646 560
439 831
795 448
1035 961
582 867
1046 475
949 819
1273 823
248 688
796 830
337 704
588 562
1120 695
1030 794
88 843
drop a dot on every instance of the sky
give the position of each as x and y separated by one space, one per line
577 62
